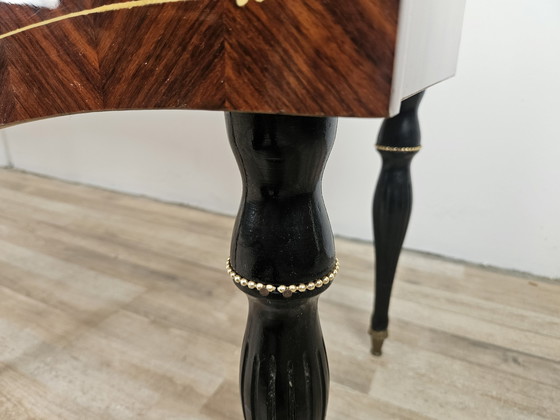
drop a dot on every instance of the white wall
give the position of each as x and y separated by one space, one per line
486 184
4 160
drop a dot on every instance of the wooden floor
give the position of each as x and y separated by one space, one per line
117 307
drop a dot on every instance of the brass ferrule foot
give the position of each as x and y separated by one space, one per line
377 340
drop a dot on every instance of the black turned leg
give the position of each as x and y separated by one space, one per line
282 257
398 142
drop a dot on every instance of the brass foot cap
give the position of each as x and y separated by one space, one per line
377 340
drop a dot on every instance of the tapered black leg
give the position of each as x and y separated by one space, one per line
398 142
282 257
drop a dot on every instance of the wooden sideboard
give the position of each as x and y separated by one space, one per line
283 70
308 57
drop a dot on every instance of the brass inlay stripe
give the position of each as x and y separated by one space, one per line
398 149
100 9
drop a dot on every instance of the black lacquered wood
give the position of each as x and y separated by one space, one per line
284 370
282 236
392 206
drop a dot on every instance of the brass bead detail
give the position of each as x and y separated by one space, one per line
398 149
286 291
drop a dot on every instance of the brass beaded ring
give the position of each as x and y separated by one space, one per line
398 149
286 291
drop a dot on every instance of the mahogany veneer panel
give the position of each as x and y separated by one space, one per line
171 57
163 56
312 57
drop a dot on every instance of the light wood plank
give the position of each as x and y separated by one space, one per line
117 307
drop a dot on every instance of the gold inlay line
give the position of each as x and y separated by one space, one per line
100 9
242 3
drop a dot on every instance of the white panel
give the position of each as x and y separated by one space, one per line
427 47
51 4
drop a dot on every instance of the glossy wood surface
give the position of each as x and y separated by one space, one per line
282 236
392 207
313 57
164 56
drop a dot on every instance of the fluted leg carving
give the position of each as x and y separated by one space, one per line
282 252
398 142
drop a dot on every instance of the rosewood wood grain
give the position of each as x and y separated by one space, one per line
312 57
165 56
316 57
